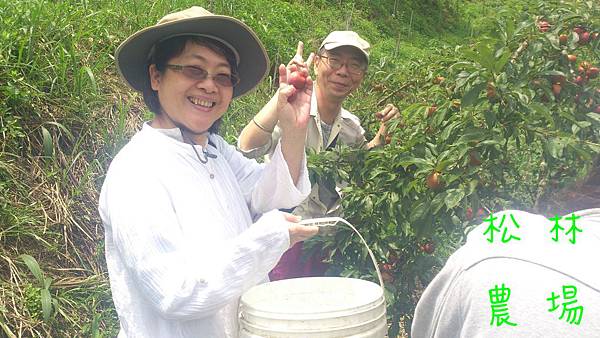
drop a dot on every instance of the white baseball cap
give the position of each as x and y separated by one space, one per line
346 38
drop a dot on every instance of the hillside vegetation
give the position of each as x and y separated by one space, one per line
64 113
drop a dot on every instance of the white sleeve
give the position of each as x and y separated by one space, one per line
178 281
267 186
437 309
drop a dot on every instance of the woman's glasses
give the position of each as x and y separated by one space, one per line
199 74
354 67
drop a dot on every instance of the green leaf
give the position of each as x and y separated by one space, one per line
85 70
501 62
453 198
34 267
544 112
46 304
444 164
418 212
552 73
490 118
594 116
555 147
47 146
472 95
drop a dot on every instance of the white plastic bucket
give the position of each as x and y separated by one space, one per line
315 307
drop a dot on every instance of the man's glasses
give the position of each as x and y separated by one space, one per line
199 74
353 67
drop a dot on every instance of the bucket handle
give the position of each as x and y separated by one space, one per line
333 221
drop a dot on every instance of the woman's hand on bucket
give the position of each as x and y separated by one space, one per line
299 232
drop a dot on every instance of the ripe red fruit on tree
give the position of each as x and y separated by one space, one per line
563 39
469 213
597 109
427 247
592 72
579 80
578 30
556 88
490 90
543 25
433 180
584 38
431 110
571 58
474 159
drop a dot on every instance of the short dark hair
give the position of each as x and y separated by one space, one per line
164 51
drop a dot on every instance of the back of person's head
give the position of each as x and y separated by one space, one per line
582 195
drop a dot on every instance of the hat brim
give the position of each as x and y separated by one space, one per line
334 45
131 56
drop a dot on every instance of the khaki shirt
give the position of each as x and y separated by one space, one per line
346 127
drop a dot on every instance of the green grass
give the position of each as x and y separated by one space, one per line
64 113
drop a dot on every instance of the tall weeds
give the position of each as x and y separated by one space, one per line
64 113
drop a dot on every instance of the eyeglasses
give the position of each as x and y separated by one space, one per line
353 67
199 74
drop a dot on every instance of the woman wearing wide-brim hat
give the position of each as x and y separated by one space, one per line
181 207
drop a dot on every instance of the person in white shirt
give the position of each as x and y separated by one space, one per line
546 283
190 223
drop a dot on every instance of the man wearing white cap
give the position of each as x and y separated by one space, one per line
340 66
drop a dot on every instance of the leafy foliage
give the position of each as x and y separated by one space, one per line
488 132
64 113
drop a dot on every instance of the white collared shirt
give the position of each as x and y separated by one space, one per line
181 247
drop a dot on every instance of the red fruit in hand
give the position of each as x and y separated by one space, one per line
297 80
433 180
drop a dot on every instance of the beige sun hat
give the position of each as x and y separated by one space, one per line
337 39
251 57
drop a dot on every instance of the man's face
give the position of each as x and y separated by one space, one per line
195 104
339 83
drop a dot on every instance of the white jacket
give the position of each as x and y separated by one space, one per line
181 247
